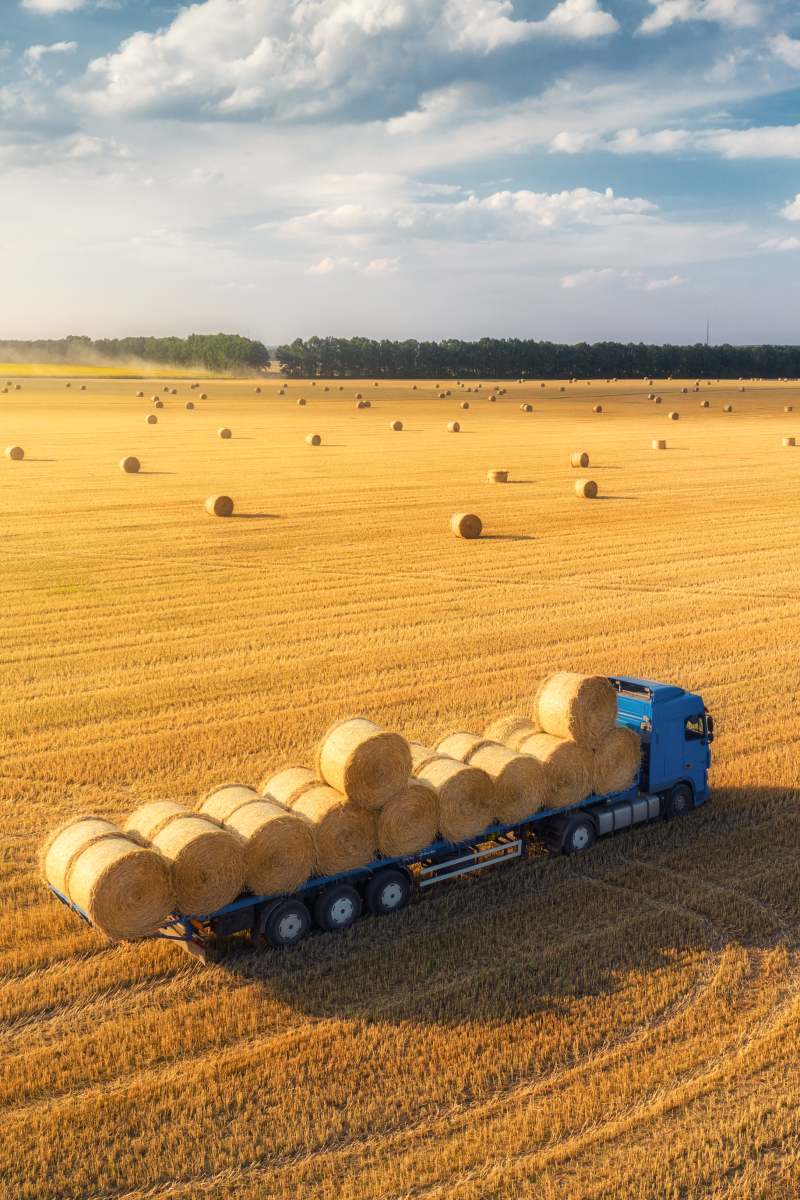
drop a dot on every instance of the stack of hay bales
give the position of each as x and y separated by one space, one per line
278 844
465 794
519 780
124 888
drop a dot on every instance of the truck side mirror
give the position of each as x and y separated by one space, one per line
710 727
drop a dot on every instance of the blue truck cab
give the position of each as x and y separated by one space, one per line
676 731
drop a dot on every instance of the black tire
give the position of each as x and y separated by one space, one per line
287 923
387 892
337 908
571 833
679 801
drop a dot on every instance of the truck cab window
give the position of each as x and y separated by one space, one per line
694 728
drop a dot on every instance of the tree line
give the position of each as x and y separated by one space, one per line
213 351
512 358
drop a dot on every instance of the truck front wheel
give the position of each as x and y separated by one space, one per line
679 801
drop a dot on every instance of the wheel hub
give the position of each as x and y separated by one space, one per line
392 895
342 911
289 927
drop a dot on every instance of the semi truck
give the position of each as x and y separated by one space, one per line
676 731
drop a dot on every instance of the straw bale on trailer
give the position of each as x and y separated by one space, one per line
520 784
287 784
125 889
363 761
206 860
581 707
466 794
616 761
278 844
345 834
510 730
567 768
408 822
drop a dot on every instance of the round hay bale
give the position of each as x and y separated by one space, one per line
345 834
526 408
301 402
158 404
616 761
705 404
520 785
466 525
562 389
586 488
155 399
219 506
579 458
442 395
367 404
124 888
203 396
459 745
567 768
313 439
651 396
581 707
685 390
453 427
727 407
279 851
657 400
359 396
466 796
658 444
741 389
224 432
257 391
789 441
788 408
206 860
465 404
190 405
16 453
420 755
497 476
363 761
396 426
511 730
597 408
408 822
130 465
139 395
375 384
69 385
288 783
151 419
361 404
674 416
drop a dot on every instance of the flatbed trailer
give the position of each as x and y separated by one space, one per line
676 732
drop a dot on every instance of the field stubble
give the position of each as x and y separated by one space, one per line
624 1025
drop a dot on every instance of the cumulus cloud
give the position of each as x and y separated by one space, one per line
375 266
786 48
781 244
307 58
637 280
48 7
759 141
735 13
792 209
34 54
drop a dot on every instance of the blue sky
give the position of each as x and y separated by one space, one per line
565 169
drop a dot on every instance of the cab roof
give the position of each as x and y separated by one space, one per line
647 689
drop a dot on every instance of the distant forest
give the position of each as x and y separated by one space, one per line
214 351
510 358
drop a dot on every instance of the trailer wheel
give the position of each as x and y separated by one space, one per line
337 908
679 802
288 922
387 892
570 834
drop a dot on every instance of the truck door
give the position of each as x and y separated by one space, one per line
697 755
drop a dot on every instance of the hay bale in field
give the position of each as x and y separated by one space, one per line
465 404
520 786
313 439
567 768
130 465
466 525
206 860
579 458
139 395
511 730
526 408
151 419
705 404
203 396
581 707
155 399
674 416
397 426
587 488
219 506
345 834
408 822
453 427
465 795
789 441
366 763
597 408
257 391
497 476
658 444
190 405
616 761
16 453
124 888
651 396
562 389
657 400
301 402
442 395
158 404
288 783
359 396
741 389
69 385
362 404
727 408
224 432
685 390
788 408
279 851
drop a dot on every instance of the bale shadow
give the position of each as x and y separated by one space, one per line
616 497
41 460
255 516
155 472
513 481
507 537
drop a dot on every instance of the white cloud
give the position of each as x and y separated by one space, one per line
434 109
375 266
579 19
48 7
786 48
637 280
34 54
735 13
781 244
567 142
792 209
766 141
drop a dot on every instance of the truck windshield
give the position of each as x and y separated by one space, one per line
694 728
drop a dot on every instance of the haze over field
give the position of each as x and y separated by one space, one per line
572 170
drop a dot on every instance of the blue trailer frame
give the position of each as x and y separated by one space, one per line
674 726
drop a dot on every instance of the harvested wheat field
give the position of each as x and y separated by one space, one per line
619 1025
